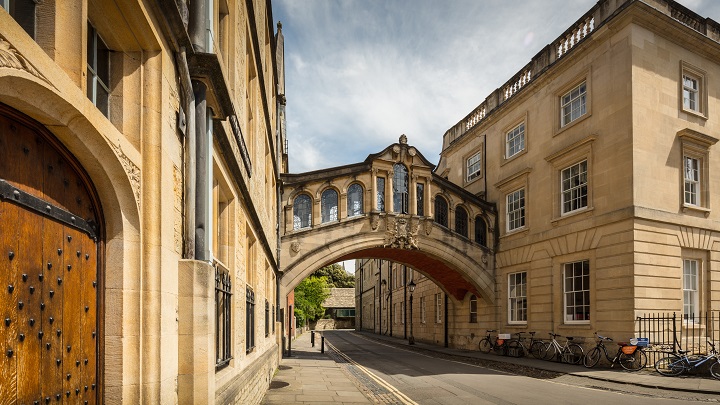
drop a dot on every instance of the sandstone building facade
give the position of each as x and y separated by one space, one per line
601 157
141 144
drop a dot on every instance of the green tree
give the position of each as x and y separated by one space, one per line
309 296
337 276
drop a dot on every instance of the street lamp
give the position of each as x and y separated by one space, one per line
411 287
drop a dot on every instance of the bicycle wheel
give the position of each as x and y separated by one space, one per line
715 369
485 345
592 357
670 366
573 354
633 362
537 348
515 348
549 351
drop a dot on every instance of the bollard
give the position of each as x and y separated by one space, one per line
322 344
312 338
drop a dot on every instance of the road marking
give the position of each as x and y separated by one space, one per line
399 395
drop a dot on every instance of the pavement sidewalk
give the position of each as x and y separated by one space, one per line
311 377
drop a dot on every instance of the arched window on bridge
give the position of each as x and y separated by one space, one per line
302 212
400 189
480 231
329 205
355 200
441 211
461 221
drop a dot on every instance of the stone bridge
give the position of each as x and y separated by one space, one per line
391 206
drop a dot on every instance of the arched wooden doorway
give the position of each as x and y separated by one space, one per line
50 261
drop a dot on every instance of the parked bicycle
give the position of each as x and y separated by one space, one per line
630 357
517 347
676 364
499 346
571 353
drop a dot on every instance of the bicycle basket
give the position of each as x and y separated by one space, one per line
500 342
629 349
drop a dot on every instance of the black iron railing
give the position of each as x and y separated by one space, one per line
672 332
223 332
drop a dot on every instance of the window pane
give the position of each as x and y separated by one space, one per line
328 205
355 200
461 221
420 194
480 231
400 189
302 212
441 211
380 194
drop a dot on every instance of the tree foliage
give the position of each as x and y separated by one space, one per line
337 276
309 296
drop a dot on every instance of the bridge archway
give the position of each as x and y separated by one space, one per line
397 223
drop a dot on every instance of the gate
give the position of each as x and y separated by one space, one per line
48 270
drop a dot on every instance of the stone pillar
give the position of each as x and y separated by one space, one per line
373 191
389 201
412 195
196 332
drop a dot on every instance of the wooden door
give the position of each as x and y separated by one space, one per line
48 270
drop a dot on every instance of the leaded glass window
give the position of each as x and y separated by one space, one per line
441 211
355 200
420 195
329 206
400 189
480 231
461 221
302 212
380 194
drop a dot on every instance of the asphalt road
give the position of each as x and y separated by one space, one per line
398 375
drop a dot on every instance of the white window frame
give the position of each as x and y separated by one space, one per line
573 104
515 210
513 138
584 290
473 166
473 312
691 288
438 308
574 187
693 186
693 90
517 298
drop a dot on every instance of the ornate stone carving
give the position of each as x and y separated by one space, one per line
178 205
11 58
295 246
484 259
374 220
428 226
132 170
401 233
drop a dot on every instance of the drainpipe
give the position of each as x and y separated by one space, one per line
197 27
446 320
405 302
390 297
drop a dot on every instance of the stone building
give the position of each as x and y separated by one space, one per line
600 155
141 144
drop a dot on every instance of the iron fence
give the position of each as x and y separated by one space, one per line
671 332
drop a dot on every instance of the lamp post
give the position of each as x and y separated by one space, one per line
411 287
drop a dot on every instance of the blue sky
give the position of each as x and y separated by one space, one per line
359 73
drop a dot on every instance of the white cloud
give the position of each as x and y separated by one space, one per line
360 73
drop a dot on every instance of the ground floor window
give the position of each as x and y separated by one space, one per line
577 291
473 309
438 307
249 319
422 310
690 289
517 297
223 331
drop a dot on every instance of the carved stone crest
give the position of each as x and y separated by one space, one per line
374 221
428 227
295 246
401 233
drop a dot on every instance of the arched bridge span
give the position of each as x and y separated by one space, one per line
391 206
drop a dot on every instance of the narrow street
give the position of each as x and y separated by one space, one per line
409 376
